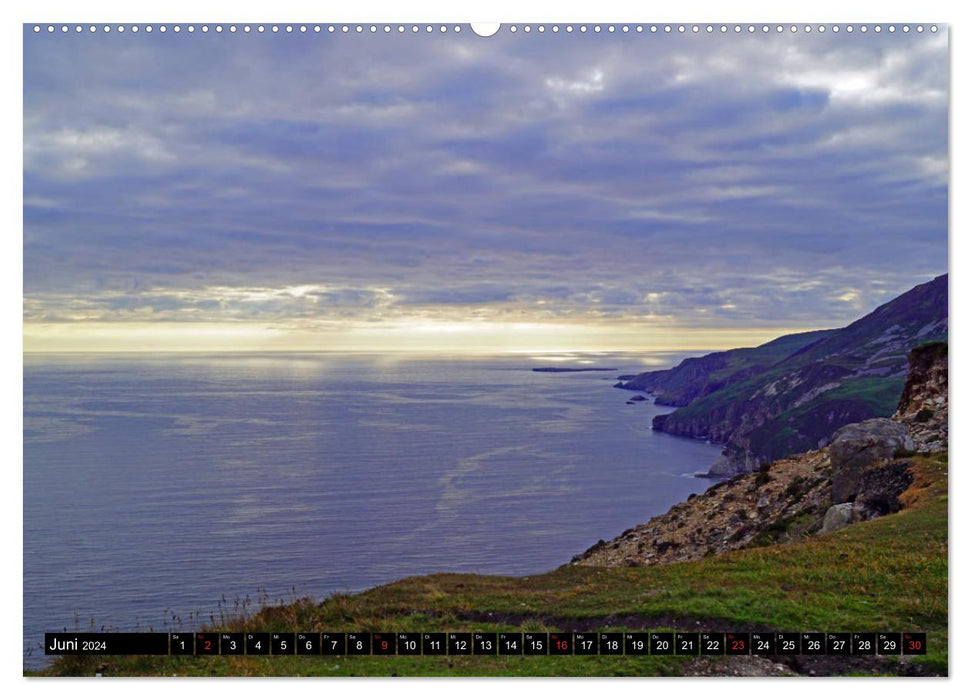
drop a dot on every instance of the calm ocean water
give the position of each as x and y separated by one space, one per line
155 486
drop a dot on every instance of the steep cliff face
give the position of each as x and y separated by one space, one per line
923 407
866 470
841 377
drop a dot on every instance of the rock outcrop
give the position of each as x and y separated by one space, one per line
923 407
858 445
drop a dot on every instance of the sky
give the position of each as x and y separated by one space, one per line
447 192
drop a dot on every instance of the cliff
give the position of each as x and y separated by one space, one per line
923 407
867 470
840 377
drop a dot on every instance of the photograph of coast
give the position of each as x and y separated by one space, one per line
572 329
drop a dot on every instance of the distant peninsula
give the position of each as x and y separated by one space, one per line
574 369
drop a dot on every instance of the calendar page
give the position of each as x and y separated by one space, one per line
522 349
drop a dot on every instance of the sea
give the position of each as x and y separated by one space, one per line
167 491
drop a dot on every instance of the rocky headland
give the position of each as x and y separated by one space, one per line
789 396
866 470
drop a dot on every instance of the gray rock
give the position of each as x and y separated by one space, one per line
860 445
841 515
733 463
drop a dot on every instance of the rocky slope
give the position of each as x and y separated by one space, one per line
782 502
867 470
842 377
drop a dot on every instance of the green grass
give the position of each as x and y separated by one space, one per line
880 393
888 574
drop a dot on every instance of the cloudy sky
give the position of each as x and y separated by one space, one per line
450 192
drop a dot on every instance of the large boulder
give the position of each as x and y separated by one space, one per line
860 445
841 515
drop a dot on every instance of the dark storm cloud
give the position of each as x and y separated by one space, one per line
713 180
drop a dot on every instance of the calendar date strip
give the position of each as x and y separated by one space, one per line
487 643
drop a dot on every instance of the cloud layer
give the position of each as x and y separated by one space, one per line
679 180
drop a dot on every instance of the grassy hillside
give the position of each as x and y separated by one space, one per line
887 574
696 377
802 428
